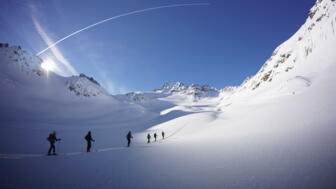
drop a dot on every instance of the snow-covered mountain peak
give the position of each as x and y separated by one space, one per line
322 8
18 65
89 78
171 87
83 85
200 91
15 56
172 90
291 59
194 90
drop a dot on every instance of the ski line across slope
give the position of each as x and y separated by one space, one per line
177 131
21 156
137 145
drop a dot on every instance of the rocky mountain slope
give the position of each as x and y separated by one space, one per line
291 59
195 90
21 67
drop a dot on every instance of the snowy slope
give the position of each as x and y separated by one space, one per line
83 85
31 94
19 67
17 64
22 60
195 90
295 59
171 90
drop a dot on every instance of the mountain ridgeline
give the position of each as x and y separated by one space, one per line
291 58
289 62
19 62
20 67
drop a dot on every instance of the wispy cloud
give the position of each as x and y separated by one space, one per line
62 66
102 66
65 67
110 85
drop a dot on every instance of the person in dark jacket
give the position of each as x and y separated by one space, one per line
52 139
129 136
148 138
162 134
89 141
155 135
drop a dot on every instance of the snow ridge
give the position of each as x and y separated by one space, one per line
83 85
319 28
20 66
195 90
24 61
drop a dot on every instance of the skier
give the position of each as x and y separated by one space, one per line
129 136
148 137
52 139
162 134
89 139
155 135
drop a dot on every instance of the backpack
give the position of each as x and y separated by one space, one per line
87 138
50 138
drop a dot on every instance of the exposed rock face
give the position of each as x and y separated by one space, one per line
17 58
20 66
194 90
83 85
319 26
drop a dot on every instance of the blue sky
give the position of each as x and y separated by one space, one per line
219 44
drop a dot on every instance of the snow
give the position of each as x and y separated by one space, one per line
195 91
83 85
276 130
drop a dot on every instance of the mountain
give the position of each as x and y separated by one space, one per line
171 94
24 63
295 59
33 96
17 64
297 64
83 85
195 90
22 60
21 67
171 87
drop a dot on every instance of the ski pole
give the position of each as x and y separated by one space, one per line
59 146
92 147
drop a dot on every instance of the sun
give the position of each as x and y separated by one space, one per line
48 65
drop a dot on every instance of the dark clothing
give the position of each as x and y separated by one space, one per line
155 136
89 140
129 137
88 146
52 139
128 142
163 134
148 137
52 148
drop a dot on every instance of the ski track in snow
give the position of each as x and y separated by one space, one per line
135 145
21 156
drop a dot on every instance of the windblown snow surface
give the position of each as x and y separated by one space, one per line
276 130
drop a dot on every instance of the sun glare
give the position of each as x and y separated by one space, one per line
48 65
